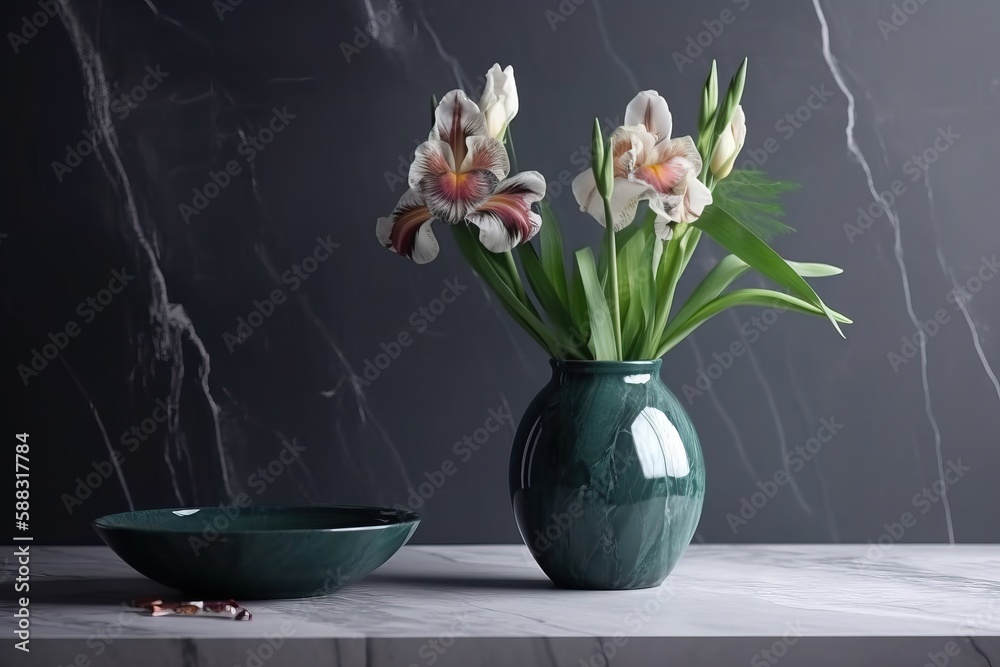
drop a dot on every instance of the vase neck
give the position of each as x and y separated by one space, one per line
563 367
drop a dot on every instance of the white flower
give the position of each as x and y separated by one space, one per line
459 176
499 101
648 165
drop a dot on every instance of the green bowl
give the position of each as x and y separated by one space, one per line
257 552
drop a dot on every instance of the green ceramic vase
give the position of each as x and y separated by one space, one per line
607 477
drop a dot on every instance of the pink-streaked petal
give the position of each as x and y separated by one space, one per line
408 231
681 147
506 218
497 232
486 153
455 119
649 109
451 197
431 158
669 164
662 177
527 184
500 233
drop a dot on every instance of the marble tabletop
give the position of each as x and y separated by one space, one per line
467 605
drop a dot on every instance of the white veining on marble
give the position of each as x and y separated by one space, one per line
960 299
855 150
606 41
779 427
115 461
809 418
165 316
349 376
461 80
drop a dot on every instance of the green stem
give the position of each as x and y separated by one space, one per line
612 250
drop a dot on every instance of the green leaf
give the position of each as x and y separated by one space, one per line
712 285
550 238
737 239
733 96
546 294
746 297
634 288
602 337
725 272
751 197
490 272
623 237
627 234
676 255
709 99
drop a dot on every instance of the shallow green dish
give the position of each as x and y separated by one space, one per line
257 552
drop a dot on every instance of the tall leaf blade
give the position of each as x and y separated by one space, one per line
745 297
553 260
634 289
714 283
722 276
475 255
545 292
602 336
732 235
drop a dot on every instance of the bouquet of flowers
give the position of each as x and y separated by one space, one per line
654 193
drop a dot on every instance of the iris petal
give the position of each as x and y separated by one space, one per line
455 119
506 219
408 231
649 109
452 197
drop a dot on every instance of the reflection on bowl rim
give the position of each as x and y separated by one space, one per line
405 517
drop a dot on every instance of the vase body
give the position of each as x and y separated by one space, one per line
607 477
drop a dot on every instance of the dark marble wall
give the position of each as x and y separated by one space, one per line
178 167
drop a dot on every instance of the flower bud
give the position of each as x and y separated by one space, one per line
729 146
499 101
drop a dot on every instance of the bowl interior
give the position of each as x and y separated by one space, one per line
257 519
